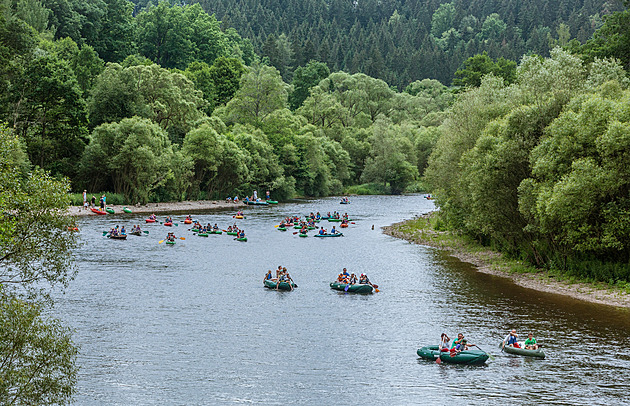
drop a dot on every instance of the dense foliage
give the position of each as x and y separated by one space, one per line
403 41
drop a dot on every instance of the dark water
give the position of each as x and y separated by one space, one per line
191 324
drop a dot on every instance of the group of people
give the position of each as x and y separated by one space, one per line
457 346
351 278
205 229
282 275
322 231
136 229
230 200
153 217
345 200
117 231
511 340
170 237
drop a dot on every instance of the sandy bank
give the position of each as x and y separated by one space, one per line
541 281
162 207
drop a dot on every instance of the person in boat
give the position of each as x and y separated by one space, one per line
353 279
364 280
445 343
345 215
168 220
328 214
318 216
229 229
123 231
459 345
170 237
530 343
511 340
304 229
322 231
152 217
268 276
241 234
215 228
333 230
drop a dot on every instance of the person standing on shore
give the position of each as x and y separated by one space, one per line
85 203
93 201
102 203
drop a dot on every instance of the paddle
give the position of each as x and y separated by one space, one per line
293 233
160 242
346 288
438 360
146 232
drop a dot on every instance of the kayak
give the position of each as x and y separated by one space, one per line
356 288
170 242
329 235
282 229
150 221
303 235
168 224
257 203
202 234
298 227
244 239
335 220
216 232
239 217
126 210
325 217
271 284
97 211
109 210
117 237
272 201
187 221
539 353
310 228
468 357
231 233
195 230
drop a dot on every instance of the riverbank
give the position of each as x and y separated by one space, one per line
162 207
421 231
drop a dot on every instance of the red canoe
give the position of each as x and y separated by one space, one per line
150 221
187 221
97 211
168 224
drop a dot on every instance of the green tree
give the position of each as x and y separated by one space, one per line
443 19
476 67
226 74
304 78
611 40
261 92
114 41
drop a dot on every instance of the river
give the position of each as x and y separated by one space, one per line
191 324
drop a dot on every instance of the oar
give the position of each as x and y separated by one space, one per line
104 233
346 288
181 238
160 242
375 287
146 232
295 232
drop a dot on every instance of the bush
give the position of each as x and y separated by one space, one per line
368 189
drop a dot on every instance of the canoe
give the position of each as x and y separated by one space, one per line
97 211
329 235
468 357
344 202
539 353
356 288
257 203
187 221
126 210
271 284
303 235
168 224
216 232
335 220
272 201
310 228
194 230
117 237
170 242
149 220
343 225
298 227
324 217
231 233
244 239
239 217
109 210
202 234
138 233
282 229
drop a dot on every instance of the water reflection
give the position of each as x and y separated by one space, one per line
192 324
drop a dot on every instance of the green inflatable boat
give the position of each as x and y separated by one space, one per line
303 235
202 234
126 210
110 210
282 229
231 233
468 357
244 239
216 232
329 235
356 288
272 283
539 353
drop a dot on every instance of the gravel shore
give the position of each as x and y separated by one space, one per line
161 207
541 281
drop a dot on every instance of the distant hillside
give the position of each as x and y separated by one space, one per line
401 41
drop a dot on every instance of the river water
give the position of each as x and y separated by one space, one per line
191 324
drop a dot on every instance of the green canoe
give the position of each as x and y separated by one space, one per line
195 230
202 234
303 235
109 210
329 235
170 242
282 229
272 201
356 288
216 232
335 220
250 203
244 239
539 353
231 233
297 226
138 233
126 210
310 228
468 357
271 284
